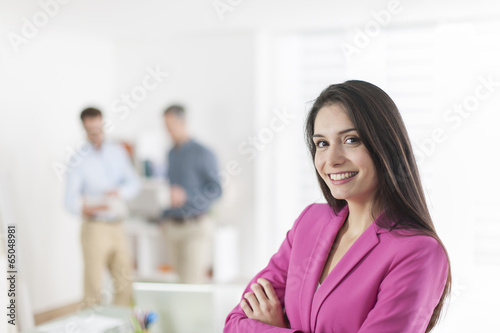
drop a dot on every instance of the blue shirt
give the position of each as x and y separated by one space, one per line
193 167
98 171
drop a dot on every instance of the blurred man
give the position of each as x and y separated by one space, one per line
194 181
97 189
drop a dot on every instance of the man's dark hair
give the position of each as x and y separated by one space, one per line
176 109
90 113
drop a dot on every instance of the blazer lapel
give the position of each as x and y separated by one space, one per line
330 225
367 241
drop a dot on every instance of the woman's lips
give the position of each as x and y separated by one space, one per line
342 177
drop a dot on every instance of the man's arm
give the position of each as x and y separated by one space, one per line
73 194
73 200
130 184
198 200
212 187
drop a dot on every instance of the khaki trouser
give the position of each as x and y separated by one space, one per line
189 246
104 246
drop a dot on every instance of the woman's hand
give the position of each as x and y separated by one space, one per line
263 304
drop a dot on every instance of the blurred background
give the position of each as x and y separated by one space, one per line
241 67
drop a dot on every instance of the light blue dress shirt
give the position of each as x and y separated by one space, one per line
98 171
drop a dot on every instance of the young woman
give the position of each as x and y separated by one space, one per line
368 261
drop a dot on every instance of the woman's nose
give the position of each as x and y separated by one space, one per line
335 155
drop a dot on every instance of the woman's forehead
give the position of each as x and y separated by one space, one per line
332 118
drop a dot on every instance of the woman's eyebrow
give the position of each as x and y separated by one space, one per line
347 130
341 132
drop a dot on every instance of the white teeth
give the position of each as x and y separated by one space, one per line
340 176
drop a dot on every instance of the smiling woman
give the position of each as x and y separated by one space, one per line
369 260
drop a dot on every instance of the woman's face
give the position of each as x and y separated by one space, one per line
341 158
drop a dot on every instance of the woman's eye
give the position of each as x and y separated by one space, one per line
352 140
321 144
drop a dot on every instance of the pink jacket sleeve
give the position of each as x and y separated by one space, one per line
276 272
409 293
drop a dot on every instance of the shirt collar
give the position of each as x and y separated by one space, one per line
185 144
90 146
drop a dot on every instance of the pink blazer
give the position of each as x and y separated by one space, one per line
384 283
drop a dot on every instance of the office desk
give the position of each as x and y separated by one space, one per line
188 308
181 308
94 320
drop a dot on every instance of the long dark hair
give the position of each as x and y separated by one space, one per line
381 129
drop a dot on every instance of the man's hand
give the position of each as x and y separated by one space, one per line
113 193
178 196
90 211
263 304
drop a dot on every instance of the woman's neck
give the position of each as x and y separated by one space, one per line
359 219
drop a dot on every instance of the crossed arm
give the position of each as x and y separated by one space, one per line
261 309
263 304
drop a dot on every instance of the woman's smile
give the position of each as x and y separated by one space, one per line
342 175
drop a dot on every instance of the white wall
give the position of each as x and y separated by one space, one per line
44 88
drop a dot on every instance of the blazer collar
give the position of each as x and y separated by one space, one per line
330 225
309 297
